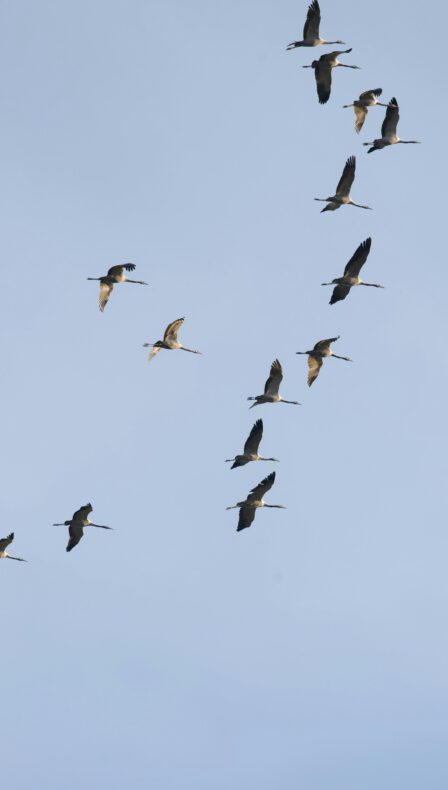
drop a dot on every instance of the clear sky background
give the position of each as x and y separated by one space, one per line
311 650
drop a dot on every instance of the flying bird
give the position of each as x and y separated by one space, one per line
362 104
351 273
316 357
76 525
4 543
250 451
389 130
113 276
169 341
322 71
311 36
253 500
342 196
271 394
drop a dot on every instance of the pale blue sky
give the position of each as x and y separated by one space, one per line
311 650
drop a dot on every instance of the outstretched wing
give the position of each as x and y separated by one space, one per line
154 351
273 383
4 542
172 329
360 113
76 532
339 293
105 292
322 72
82 513
347 178
370 95
314 366
117 271
247 515
358 259
259 491
391 119
324 345
312 23
253 440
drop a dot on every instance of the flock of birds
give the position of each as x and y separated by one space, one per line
323 68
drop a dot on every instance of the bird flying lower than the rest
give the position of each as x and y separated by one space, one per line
114 275
254 500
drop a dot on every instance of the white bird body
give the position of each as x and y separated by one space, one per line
342 196
253 501
76 525
4 543
114 275
271 388
311 37
389 134
170 341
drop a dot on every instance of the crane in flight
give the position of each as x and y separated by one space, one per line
114 275
76 524
342 196
317 355
271 393
311 37
351 276
389 134
322 72
250 451
170 341
362 104
253 500
4 543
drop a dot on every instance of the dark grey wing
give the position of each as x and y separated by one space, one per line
358 259
76 532
322 72
324 345
391 119
367 95
312 23
339 293
82 513
4 542
172 329
347 178
254 439
273 383
117 271
314 366
259 491
247 515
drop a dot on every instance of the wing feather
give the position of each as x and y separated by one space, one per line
253 440
358 259
260 490
312 23
172 329
246 517
76 532
4 542
105 292
273 382
324 345
339 293
314 366
322 73
117 271
391 119
347 178
82 513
